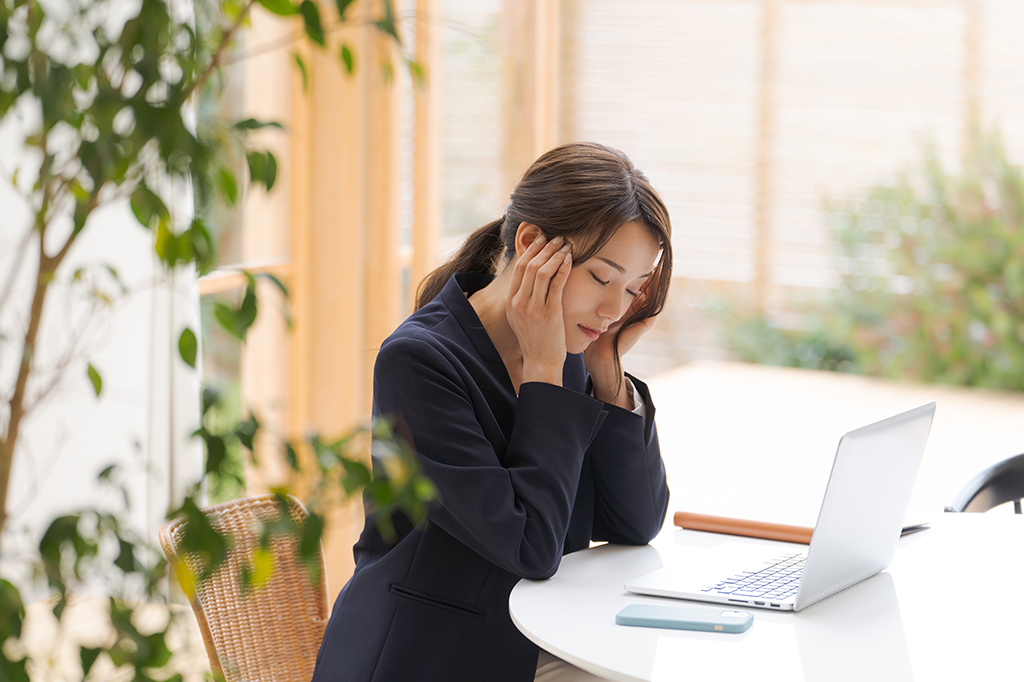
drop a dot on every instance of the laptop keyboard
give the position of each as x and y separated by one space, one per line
778 580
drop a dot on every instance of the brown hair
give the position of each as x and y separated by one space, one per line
581 190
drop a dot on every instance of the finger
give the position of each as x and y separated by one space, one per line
548 270
519 272
561 275
634 333
537 270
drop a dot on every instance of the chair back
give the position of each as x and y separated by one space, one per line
271 632
1000 483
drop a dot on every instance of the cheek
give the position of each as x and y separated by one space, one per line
574 296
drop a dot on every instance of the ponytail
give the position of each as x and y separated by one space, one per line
478 254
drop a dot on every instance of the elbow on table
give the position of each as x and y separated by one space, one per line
638 530
541 573
538 563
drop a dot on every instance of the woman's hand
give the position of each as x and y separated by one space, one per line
533 306
599 357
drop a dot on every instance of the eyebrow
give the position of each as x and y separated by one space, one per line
619 267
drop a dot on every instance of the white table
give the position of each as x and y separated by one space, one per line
948 608
758 442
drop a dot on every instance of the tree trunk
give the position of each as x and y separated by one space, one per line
16 406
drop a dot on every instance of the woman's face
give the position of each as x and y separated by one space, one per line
600 290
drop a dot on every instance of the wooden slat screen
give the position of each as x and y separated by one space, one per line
748 115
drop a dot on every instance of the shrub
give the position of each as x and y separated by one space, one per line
931 273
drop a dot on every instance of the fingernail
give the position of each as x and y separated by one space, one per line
558 240
567 247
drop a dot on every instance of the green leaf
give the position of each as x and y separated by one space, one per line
216 453
286 309
95 379
253 124
200 538
309 545
126 557
246 431
226 317
262 168
247 310
343 6
166 245
210 399
62 603
282 8
417 71
204 250
291 457
386 24
149 209
348 59
357 476
311 18
81 215
14 670
236 321
188 347
280 285
262 566
227 184
12 611
299 62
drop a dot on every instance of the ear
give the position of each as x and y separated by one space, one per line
526 235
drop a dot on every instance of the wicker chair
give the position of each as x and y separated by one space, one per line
271 634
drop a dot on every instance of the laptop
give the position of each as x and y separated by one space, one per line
855 537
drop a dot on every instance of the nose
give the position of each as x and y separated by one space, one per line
613 305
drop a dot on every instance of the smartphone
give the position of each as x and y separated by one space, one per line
685 618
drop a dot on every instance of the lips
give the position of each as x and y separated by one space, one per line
594 334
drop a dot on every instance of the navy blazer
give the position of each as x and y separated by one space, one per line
522 480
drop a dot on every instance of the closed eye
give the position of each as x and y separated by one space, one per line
599 280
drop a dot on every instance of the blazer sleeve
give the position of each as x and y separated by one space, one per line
513 510
631 492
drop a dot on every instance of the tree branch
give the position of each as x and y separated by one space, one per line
16 412
19 258
218 52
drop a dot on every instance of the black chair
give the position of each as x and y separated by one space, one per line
1000 483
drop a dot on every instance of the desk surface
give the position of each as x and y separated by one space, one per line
948 608
753 441
758 442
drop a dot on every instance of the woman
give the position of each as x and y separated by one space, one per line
508 380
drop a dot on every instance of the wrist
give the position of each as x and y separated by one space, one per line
545 373
618 392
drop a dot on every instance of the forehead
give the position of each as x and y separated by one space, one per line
631 249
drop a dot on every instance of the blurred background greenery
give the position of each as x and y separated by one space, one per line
931 283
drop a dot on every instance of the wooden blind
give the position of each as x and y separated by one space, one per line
748 115
675 85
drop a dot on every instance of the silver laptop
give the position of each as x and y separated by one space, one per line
855 537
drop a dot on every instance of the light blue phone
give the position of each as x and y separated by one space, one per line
685 618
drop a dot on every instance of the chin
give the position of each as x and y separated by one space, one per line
578 347
576 341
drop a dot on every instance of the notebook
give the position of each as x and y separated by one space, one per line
855 537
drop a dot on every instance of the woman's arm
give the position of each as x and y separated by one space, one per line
509 500
631 493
